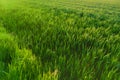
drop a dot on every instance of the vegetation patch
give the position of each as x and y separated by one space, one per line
60 40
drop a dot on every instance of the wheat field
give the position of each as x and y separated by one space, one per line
59 40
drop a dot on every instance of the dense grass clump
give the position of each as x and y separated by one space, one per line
53 42
15 63
7 50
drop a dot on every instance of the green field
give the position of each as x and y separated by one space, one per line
59 39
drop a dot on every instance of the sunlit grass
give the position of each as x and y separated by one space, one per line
59 40
8 4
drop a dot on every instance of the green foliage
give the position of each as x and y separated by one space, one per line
60 42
